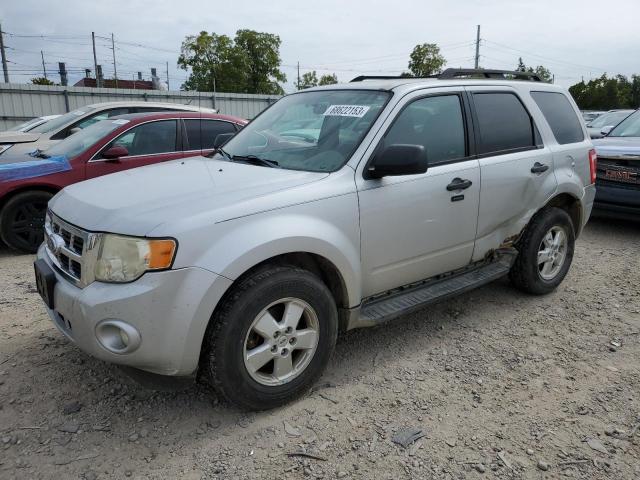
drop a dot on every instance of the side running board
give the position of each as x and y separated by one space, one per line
404 301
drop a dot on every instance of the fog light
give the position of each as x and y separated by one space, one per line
117 336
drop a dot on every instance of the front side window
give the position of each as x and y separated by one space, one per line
312 131
61 121
437 123
201 134
148 138
629 127
90 120
560 116
504 124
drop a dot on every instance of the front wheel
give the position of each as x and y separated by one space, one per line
271 338
22 220
545 252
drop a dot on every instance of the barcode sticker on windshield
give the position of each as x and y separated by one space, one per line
346 111
79 113
122 121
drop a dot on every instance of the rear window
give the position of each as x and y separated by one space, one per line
505 125
560 116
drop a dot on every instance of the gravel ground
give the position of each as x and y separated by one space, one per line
500 384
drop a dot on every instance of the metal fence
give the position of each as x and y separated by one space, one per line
19 102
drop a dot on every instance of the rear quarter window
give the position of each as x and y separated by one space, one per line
560 116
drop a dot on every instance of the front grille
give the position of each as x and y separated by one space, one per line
67 246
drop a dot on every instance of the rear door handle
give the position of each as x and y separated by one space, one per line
539 167
459 184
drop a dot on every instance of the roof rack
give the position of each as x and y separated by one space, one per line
453 73
450 73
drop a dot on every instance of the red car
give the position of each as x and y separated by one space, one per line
124 142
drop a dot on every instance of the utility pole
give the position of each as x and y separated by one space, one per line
113 49
477 47
44 69
168 88
298 86
4 57
95 59
62 70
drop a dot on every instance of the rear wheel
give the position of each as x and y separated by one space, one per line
545 252
271 338
22 220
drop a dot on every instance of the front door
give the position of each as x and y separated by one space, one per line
414 227
147 143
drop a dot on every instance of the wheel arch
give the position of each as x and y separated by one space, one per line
27 188
571 204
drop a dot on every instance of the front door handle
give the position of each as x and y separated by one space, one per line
459 184
539 167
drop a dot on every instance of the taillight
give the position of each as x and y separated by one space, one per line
593 163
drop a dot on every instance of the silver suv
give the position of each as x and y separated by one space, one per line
338 207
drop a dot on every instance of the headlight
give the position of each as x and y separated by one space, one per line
4 148
124 259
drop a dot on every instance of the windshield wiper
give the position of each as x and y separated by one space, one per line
265 162
221 152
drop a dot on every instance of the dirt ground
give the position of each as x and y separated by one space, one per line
501 384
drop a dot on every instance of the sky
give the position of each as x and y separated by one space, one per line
575 39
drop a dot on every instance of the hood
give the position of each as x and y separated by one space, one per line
134 202
20 151
18 137
618 147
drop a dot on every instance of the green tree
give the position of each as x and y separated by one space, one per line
542 72
308 80
328 79
249 63
604 93
425 60
41 81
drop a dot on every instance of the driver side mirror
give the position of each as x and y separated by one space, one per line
605 130
115 152
221 139
74 130
397 160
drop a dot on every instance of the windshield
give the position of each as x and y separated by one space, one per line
26 126
313 131
629 127
61 121
610 119
80 141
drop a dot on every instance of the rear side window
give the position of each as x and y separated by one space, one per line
560 116
437 123
505 125
202 133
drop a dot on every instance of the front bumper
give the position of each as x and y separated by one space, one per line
170 310
621 202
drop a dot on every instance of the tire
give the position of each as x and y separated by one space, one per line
530 276
241 327
22 220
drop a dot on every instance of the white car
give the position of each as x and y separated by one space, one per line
31 124
15 144
246 266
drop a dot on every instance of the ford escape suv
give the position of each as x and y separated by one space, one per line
338 207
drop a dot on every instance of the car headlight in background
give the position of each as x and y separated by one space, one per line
124 259
4 148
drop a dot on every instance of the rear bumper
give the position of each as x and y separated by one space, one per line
169 310
617 202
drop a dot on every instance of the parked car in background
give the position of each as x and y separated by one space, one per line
31 124
336 208
618 176
600 126
106 146
15 144
590 115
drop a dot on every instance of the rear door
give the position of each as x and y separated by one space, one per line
151 142
516 167
202 133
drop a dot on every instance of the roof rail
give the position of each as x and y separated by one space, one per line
453 73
